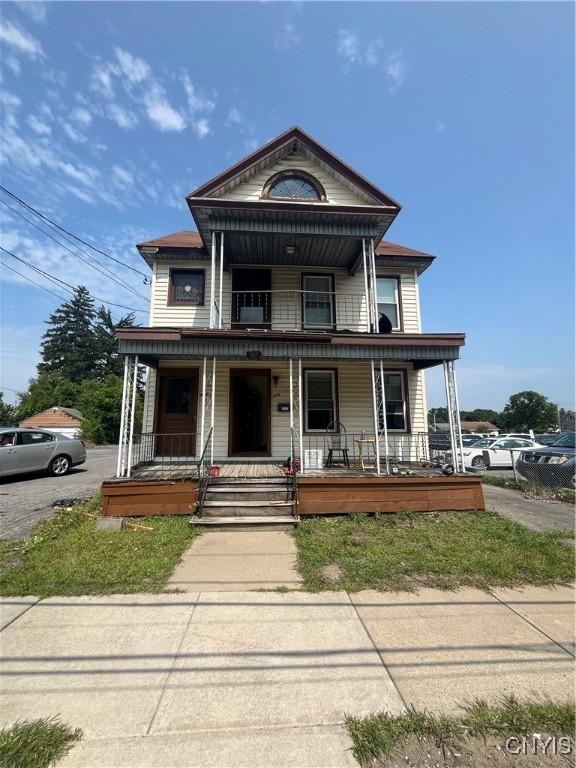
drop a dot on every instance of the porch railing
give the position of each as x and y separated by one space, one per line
418 449
203 473
293 467
166 455
293 310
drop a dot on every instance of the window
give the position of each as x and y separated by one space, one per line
320 400
387 292
7 439
186 287
396 406
318 301
33 438
293 185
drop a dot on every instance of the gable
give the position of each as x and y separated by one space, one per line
337 192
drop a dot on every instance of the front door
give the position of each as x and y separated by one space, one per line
176 415
249 429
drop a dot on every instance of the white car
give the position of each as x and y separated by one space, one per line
494 452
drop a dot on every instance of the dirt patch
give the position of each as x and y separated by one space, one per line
477 752
332 573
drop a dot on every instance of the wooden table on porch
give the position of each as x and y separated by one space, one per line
366 441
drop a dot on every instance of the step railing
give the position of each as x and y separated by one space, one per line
203 473
293 477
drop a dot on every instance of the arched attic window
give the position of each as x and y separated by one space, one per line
293 185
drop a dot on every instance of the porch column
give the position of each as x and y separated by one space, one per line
366 288
212 406
216 278
212 278
373 294
207 402
126 436
456 448
296 427
376 400
384 422
220 280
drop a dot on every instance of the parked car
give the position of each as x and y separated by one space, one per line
492 452
549 438
470 439
553 465
36 450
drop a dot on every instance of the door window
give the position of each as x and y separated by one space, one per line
179 396
34 438
7 439
318 301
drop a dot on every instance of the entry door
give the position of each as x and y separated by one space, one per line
176 417
251 298
249 427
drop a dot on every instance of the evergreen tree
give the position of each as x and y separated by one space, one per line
109 362
70 345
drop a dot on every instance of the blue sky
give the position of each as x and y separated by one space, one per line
463 112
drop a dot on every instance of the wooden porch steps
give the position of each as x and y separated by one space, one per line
249 501
245 523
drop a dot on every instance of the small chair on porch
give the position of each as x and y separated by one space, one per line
337 440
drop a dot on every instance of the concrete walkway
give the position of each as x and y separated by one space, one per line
262 679
228 561
540 516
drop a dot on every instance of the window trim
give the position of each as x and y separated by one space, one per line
335 395
296 172
330 275
399 308
406 395
170 300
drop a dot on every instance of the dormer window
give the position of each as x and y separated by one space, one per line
294 186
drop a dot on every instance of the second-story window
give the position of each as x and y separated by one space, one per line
186 287
388 293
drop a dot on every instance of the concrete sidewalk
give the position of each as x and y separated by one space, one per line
262 679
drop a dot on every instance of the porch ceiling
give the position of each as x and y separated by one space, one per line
308 250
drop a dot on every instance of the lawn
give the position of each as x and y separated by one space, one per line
36 743
444 550
66 555
475 739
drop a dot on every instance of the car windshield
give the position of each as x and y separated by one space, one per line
566 441
484 443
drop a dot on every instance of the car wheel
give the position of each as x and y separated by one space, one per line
479 462
59 466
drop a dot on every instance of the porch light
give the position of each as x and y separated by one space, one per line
290 250
275 381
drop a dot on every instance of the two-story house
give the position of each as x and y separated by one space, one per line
285 330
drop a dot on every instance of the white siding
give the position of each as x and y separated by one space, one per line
336 192
354 402
286 310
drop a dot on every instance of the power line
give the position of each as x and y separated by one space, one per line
7 266
103 271
63 282
70 234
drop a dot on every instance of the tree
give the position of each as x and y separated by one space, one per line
100 402
528 410
70 345
46 391
437 415
480 414
109 360
7 413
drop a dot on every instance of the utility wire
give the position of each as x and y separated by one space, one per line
70 234
90 263
38 285
64 283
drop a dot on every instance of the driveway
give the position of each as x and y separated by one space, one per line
537 515
265 679
25 499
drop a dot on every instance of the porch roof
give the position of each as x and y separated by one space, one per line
422 350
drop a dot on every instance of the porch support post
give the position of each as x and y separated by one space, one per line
212 406
366 291
448 381
295 384
300 418
212 279
121 462
385 423
374 297
458 425
202 408
220 280
376 415
132 414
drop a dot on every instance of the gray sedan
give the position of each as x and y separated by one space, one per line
37 450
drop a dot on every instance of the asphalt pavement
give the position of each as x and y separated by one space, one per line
26 499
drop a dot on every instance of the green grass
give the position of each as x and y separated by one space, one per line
444 550
376 736
531 490
36 743
66 555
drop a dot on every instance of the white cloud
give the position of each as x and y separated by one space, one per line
81 115
289 37
38 126
73 134
395 70
355 51
201 127
161 112
37 11
123 118
349 46
134 69
13 64
21 41
122 176
102 80
235 116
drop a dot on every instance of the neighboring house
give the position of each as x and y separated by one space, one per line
469 426
282 321
567 421
64 421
